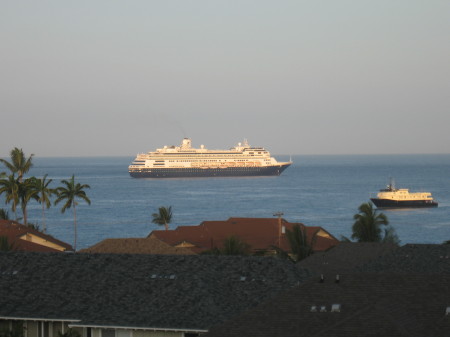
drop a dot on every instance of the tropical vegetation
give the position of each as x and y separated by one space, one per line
372 226
44 193
69 333
19 164
232 245
4 215
69 193
301 246
10 187
5 246
16 329
18 191
163 217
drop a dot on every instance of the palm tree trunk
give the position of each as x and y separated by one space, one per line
43 218
75 227
15 209
25 215
166 225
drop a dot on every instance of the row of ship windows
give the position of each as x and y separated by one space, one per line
251 154
201 161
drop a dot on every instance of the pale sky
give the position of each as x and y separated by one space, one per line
105 78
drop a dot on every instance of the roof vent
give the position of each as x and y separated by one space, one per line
337 279
447 311
323 308
313 308
243 278
335 308
321 278
172 277
154 276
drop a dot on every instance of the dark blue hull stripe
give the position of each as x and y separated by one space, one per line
385 203
210 172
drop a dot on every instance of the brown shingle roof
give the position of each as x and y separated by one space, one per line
259 233
136 246
15 233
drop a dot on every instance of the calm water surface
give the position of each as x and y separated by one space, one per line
316 190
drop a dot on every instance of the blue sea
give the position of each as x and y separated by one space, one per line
322 190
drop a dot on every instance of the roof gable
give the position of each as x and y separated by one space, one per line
136 246
28 239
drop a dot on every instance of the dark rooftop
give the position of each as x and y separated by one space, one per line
412 258
159 291
388 305
346 256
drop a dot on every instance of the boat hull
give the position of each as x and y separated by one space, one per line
274 170
387 203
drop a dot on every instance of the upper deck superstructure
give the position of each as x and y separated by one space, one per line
187 161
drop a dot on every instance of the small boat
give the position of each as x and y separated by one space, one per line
391 197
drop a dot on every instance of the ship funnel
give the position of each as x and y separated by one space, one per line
186 143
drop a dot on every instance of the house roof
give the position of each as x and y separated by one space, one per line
136 246
402 292
259 233
381 304
412 258
16 234
345 257
190 292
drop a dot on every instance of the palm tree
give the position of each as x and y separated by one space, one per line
27 191
235 246
19 164
44 193
4 214
10 187
70 193
301 246
163 217
367 227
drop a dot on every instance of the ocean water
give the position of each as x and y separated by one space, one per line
316 190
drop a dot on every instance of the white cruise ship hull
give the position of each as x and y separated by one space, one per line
274 170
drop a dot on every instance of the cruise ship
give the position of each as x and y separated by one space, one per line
186 161
390 197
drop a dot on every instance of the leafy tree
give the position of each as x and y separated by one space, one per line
44 193
390 236
69 333
301 246
5 246
163 217
18 164
232 245
27 191
10 187
367 226
70 193
4 214
235 246
17 330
